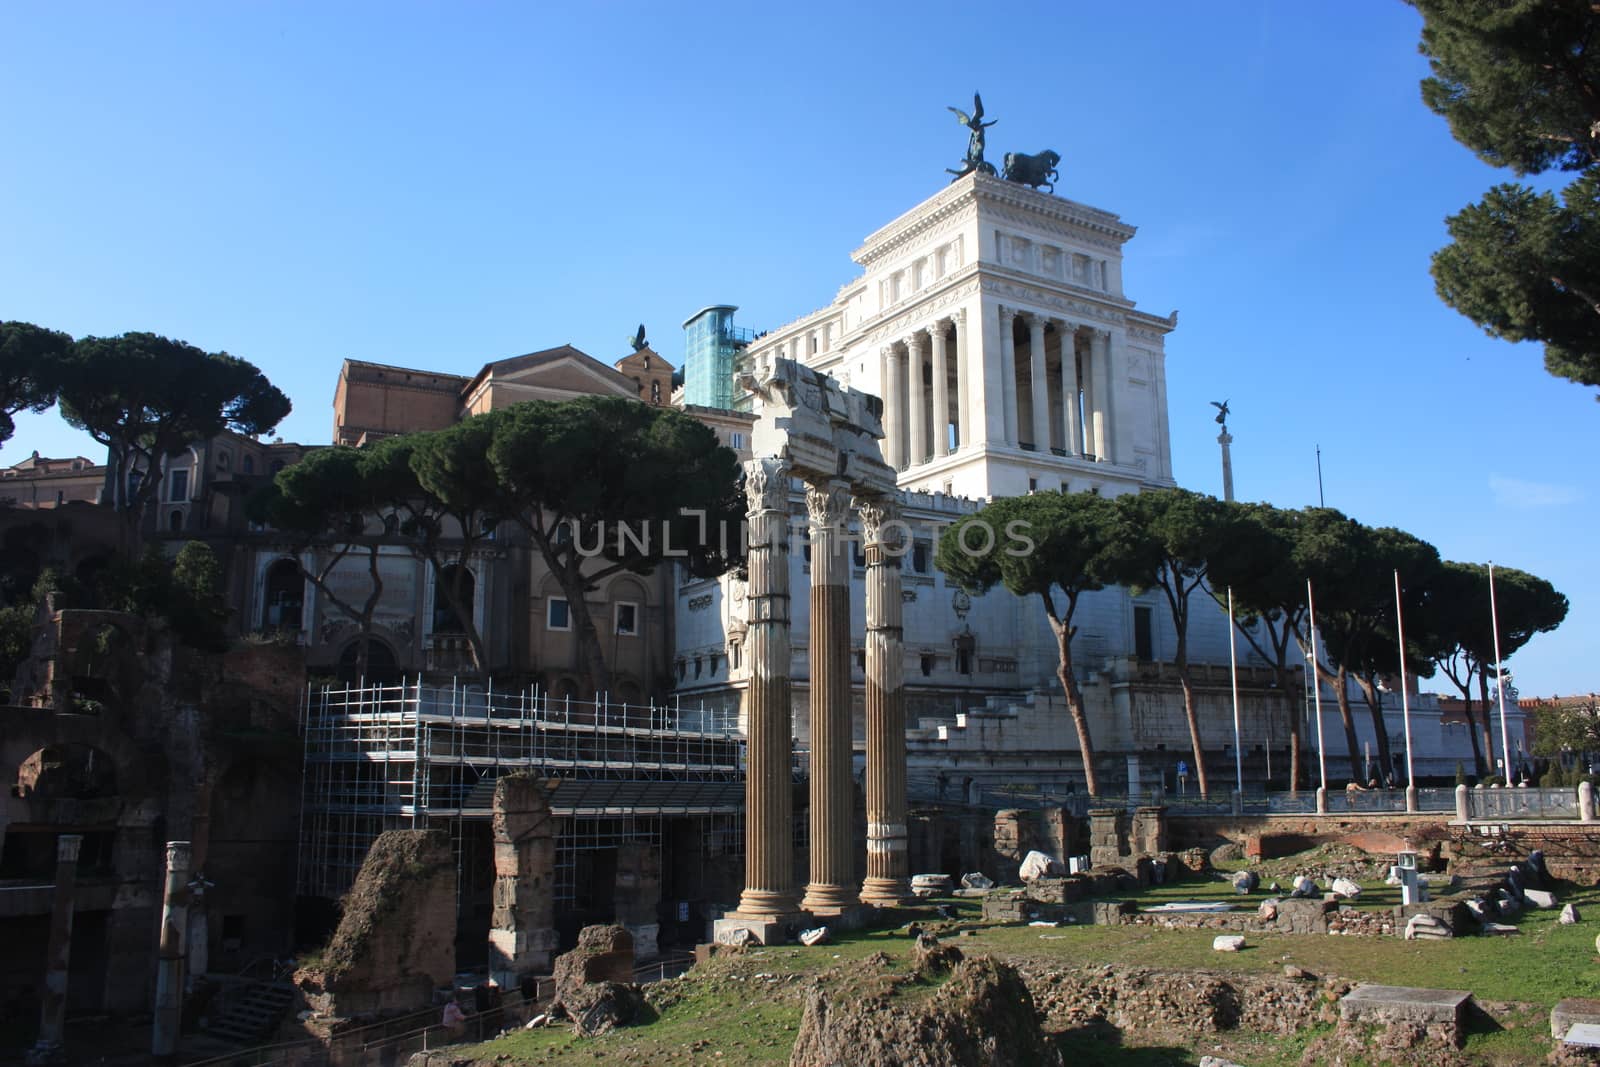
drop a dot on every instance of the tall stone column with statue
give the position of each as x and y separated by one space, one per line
1225 439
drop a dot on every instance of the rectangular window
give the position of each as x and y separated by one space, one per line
558 616
1143 637
627 619
919 557
180 485
736 440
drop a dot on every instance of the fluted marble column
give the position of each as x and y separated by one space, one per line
1100 361
170 955
832 888
769 885
888 866
1114 370
918 453
1071 413
1008 372
1041 395
963 371
892 421
941 391
53 1009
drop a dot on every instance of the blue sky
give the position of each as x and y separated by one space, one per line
441 185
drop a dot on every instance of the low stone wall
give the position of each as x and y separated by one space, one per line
1209 831
1135 999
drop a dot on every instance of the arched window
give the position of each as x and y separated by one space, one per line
282 597
381 668
460 579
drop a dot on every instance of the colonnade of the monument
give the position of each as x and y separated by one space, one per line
1060 399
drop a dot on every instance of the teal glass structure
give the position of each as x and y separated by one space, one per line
711 348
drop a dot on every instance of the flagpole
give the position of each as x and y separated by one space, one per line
1316 682
1500 677
1405 697
1233 667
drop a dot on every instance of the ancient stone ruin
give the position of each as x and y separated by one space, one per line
395 943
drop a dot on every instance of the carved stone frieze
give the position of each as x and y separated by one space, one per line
915 316
1040 297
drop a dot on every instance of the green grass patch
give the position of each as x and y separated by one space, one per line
747 1006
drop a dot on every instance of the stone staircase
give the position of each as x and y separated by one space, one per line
250 1011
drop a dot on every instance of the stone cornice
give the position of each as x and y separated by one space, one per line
1150 327
1016 203
1022 289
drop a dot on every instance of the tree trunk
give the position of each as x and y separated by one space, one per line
1374 701
591 656
1488 725
1080 721
1340 681
1285 677
1182 663
1478 766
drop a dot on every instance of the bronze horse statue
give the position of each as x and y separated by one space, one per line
1033 170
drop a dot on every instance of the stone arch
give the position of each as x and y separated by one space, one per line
69 770
383 666
103 662
29 730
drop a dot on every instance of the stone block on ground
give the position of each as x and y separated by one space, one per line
1006 906
1245 881
976 880
1500 929
931 885
1113 912
1569 913
1573 1010
1227 943
1037 865
1344 887
1385 1004
1301 916
1057 890
1425 927
1539 898
1304 887
816 936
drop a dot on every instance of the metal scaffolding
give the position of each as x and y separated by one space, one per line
410 756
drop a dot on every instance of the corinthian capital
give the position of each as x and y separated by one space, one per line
766 484
827 503
880 520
